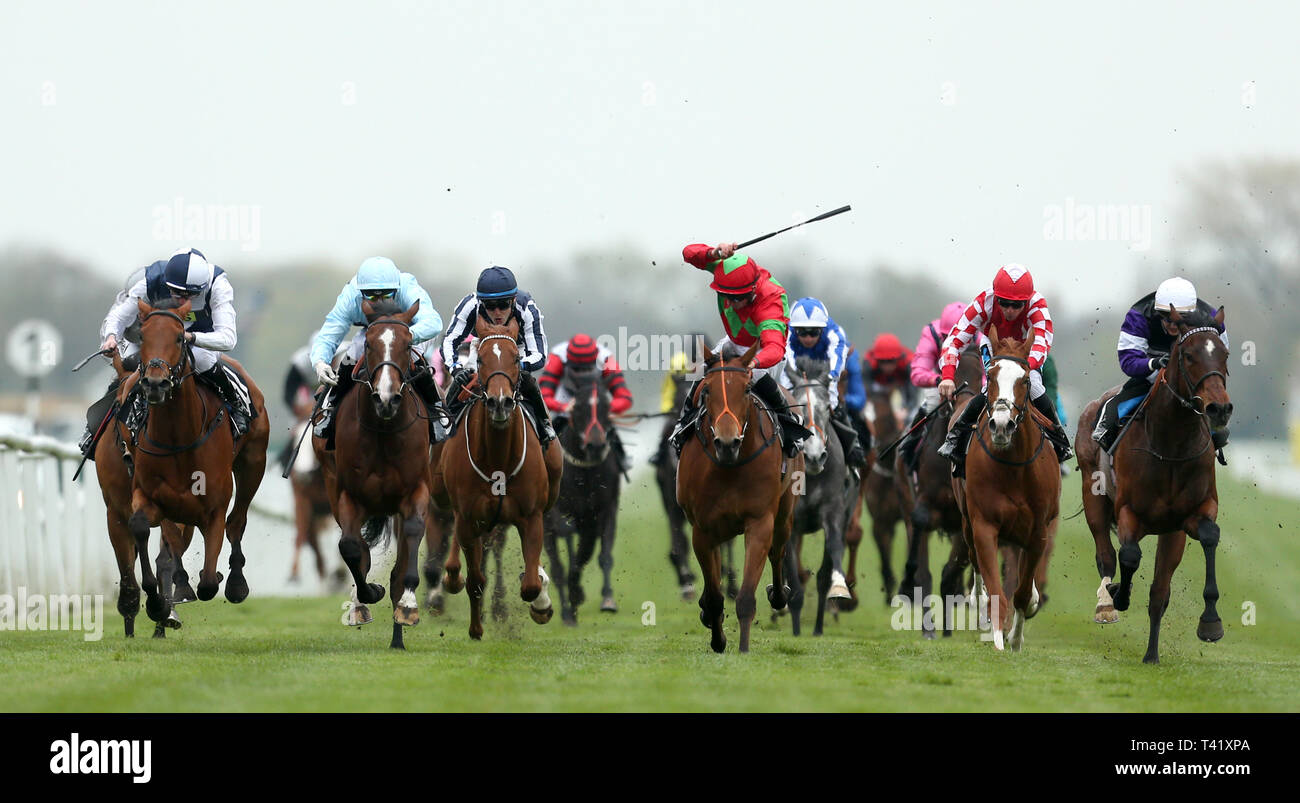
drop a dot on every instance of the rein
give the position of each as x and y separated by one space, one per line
176 375
1186 403
726 409
1020 409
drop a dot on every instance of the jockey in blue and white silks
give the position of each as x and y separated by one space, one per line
1145 340
210 328
814 334
378 279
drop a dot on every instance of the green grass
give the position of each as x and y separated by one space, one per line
293 655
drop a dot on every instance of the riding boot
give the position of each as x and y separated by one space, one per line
864 434
911 441
685 420
954 445
1057 435
218 378
532 393
422 381
1107 424
624 463
853 454
329 407
95 418
793 431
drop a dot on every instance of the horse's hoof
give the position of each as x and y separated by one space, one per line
1105 615
541 617
406 617
1150 659
839 590
207 592
172 621
160 631
499 610
237 588
688 592
358 616
476 636
569 618
183 593
607 605
453 583
436 603
1210 631
156 608
576 595
719 642
778 601
370 593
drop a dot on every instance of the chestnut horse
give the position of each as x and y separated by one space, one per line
181 471
492 471
377 477
1163 480
878 490
738 482
1012 489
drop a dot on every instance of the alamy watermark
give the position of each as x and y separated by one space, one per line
933 611
35 612
184 222
1079 222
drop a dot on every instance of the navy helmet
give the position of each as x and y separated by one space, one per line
188 272
496 282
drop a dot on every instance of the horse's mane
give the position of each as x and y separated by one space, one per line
816 370
170 302
386 306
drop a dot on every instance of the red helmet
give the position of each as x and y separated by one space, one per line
735 275
886 347
1013 283
582 349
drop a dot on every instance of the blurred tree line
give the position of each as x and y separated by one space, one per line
1238 237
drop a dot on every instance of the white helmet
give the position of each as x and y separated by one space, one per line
808 313
1176 292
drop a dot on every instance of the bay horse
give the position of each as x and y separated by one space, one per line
185 467
1163 478
738 482
930 504
1011 492
378 476
828 494
589 492
878 488
311 505
492 472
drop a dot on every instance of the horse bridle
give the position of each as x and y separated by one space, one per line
812 419
483 383
1190 402
594 402
363 373
726 410
174 377
1020 409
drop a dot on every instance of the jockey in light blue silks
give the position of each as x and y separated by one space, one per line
378 279
209 329
814 334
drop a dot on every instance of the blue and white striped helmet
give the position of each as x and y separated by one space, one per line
378 273
188 272
808 313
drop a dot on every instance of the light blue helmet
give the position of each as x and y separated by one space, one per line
378 273
808 313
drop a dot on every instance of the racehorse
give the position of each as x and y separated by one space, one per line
1011 492
737 481
180 472
878 488
378 476
931 505
311 505
493 472
828 492
588 501
1163 478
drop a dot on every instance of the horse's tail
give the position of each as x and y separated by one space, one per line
376 531
1076 513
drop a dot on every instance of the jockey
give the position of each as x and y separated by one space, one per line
209 328
581 356
926 374
377 279
890 366
814 334
1013 309
754 309
1145 340
495 300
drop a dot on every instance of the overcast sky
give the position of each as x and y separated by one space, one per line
518 132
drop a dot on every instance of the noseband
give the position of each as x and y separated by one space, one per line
174 372
363 373
483 383
1190 401
1019 409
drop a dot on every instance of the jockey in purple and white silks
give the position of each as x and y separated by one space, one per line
1145 339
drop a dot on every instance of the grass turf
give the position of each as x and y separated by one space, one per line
271 654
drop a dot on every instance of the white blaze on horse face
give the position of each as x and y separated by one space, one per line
385 379
496 349
1209 348
1008 374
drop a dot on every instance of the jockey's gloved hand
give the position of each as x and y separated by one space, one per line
462 374
1158 362
326 374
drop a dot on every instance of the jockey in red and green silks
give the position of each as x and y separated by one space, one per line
755 309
